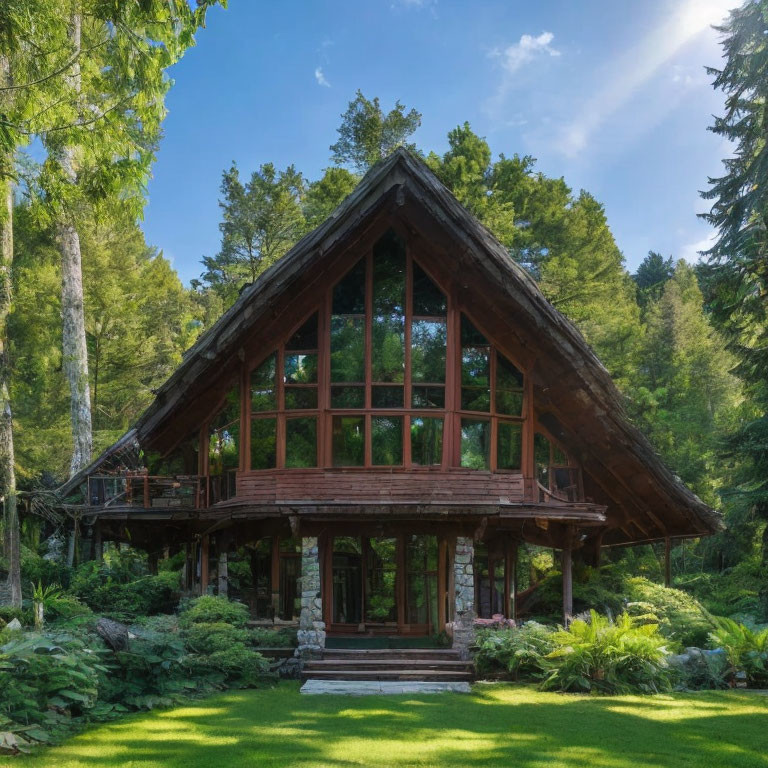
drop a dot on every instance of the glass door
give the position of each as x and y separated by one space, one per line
421 556
347 580
381 576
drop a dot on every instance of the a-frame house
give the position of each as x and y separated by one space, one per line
381 418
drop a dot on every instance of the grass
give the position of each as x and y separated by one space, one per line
496 725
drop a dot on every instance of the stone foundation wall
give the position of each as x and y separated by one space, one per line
311 634
464 595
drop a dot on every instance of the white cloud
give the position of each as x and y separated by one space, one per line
320 77
526 49
691 251
639 65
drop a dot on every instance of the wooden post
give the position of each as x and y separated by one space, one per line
223 571
146 492
667 562
567 585
513 573
507 581
98 546
204 546
442 554
152 562
186 573
275 576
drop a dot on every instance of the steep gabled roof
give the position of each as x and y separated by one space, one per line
619 461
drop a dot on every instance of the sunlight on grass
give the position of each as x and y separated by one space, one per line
496 725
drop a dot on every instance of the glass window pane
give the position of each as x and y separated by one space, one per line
348 441
507 374
386 397
387 440
381 572
347 397
426 441
230 411
428 299
475 366
264 385
300 369
263 443
509 402
509 446
470 336
475 399
428 397
475 444
305 338
428 342
541 457
349 293
347 348
224 449
388 332
301 442
509 387
558 456
300 397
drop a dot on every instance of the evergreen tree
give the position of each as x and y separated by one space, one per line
261 220
326 193
652 276
367 135
735 275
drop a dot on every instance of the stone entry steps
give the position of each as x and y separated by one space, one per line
425 665
378 688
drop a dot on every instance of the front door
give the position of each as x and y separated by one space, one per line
383 585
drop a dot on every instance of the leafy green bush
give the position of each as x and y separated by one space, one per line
608 657
518 651
102 589
243 667
47 683
682 619
214 637
210 609
745 649
262 637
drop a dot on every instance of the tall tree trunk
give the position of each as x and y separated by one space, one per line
75 352
7 457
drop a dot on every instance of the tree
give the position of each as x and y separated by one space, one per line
101 144
367 135
325 194
651 277
735 275
261 220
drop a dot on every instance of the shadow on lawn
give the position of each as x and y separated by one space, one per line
496 725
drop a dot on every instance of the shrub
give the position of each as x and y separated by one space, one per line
214 637
608 657
262 637
102 589
209 609
47 682
745 649
242 666
519 652
682 618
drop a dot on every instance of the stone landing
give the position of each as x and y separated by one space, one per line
380 687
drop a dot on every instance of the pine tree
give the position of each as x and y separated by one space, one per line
261 220
367 135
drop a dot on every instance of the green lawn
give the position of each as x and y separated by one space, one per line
497 725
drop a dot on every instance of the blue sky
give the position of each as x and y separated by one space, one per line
610 95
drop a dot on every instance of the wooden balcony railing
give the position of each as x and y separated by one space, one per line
148 491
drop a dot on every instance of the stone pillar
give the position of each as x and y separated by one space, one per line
464 596
311 635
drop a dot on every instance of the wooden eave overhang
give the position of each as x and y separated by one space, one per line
575 397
